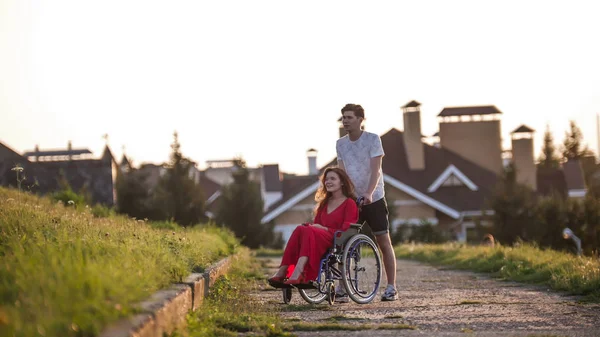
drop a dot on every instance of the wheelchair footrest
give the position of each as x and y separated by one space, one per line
279 285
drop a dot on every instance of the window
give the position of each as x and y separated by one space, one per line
452 181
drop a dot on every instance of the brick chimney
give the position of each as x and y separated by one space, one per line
522 156
311 154
473 132
412 135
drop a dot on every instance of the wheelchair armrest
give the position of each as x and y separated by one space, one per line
340 237
356 225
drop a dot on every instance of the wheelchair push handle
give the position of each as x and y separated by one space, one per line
360 202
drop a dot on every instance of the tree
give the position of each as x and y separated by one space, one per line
177 195
572 145
513 206
133 197
548 158
241 209
551 218
591 229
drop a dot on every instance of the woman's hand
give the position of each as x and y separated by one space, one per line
319 226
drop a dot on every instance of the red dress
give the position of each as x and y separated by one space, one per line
313 242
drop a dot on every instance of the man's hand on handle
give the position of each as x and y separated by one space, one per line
367 198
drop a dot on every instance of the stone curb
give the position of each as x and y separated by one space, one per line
166 310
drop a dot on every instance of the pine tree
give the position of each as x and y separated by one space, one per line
573 148
241 209
548 158
178 196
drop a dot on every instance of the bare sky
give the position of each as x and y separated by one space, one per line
266 79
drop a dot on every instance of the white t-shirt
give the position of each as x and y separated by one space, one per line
356 157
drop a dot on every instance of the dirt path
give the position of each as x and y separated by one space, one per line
442 302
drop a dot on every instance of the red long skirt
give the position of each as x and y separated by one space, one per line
306 241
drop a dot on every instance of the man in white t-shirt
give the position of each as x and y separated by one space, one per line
360 153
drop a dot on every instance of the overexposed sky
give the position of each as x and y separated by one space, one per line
267 79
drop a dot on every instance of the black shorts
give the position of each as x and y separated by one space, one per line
376 216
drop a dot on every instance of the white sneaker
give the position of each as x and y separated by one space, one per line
390 294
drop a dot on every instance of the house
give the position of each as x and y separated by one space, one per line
446 183
44 169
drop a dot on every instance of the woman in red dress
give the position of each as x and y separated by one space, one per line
336 210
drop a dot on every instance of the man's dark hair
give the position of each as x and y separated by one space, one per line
358 110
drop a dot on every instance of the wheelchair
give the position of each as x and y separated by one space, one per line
354 260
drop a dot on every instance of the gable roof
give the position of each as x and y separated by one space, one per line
523 129
452 171
470 110
449 200
412 104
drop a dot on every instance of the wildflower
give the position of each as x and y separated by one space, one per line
71 202
17 168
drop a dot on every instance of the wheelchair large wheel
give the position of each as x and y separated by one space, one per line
316 295
361 269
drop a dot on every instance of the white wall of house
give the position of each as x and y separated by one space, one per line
285 230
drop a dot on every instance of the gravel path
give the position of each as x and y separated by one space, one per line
443 302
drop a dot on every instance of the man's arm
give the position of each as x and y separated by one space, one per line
375 164
341 165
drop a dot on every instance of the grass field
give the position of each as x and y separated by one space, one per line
525 263
65 271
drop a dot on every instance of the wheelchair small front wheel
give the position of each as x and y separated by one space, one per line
330 293
287 295
361 269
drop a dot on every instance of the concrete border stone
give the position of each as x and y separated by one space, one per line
166 310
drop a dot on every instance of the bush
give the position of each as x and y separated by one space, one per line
69 198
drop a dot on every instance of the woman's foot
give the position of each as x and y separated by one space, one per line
301 279
279 277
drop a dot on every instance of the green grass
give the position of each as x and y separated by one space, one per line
526 263
69 271
229 310
268 252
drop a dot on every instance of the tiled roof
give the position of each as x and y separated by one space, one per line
209 186
73 152
271 176
574 175
470 110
